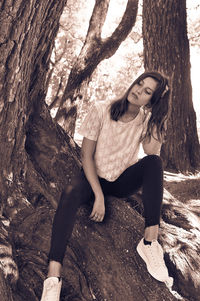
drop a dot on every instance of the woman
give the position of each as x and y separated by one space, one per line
112 133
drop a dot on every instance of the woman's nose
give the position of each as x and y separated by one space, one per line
139 90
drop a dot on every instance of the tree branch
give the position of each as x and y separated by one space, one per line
95 50
123 29
97 19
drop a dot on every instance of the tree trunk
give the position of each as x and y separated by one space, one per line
166 49
94 50
27 35
27 32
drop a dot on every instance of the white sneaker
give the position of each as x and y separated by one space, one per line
51 289
153 257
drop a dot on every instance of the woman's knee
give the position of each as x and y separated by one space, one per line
74 192
71 194
153 161
67 196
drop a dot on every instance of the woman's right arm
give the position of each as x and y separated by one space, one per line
87 153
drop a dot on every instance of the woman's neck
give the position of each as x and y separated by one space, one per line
132 109
130 114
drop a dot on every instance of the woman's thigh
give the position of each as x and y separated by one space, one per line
134 176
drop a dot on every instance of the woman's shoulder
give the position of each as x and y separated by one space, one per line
102 106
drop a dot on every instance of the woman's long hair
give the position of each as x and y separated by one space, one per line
159 105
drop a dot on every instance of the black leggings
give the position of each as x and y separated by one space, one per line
146 173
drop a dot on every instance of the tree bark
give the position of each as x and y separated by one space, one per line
94 50
166 49
6 293
27 32
101 261
27 35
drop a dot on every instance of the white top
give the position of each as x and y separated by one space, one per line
117 142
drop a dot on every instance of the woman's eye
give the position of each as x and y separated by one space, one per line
148 92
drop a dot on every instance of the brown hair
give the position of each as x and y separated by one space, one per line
159 104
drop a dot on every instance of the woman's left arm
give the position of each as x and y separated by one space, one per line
152 145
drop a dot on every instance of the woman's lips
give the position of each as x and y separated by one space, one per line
135 95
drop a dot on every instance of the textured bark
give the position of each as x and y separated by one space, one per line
181 236
27 32
166 48
100 262
94 50
5 290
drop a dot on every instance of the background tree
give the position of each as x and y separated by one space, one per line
166 48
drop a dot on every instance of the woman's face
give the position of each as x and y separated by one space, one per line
141 93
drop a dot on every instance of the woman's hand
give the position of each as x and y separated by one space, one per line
98 210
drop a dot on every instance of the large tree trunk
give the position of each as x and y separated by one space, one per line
27 35
94 50
27 32
166 48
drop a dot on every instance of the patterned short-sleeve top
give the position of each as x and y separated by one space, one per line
117 142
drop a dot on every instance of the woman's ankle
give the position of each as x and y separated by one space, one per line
151 233
54 269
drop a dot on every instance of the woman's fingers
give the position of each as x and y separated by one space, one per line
98 211
93 213
96 217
